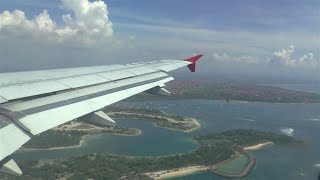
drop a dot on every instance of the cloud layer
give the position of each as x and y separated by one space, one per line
88 22
284 57
224 57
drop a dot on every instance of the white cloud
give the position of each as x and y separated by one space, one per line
224 57
87 23
285 57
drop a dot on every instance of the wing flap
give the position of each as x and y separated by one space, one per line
48 119
85 92
10 167
3 100
11 139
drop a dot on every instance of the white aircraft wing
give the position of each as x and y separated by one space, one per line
33 102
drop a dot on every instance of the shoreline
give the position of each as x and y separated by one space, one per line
184 171
92 128
81 143
196 122
224 100
177 172
187 120
257 146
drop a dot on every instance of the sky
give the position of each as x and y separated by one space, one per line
275 37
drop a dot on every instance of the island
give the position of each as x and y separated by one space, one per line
213 151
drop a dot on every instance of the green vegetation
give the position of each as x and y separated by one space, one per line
66 138
240 137
231 91
213 148
159 121
142 111
114 108
160 118
55 138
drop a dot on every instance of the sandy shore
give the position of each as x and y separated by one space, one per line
176 172
165 174
196 122
257 146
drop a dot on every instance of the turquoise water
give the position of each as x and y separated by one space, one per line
235 166
150 143
273 162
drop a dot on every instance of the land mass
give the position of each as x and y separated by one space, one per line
73 134
161 119
230 91
213 149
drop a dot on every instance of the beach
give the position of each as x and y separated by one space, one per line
257 146
167 174
176 172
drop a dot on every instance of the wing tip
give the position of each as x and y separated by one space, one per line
193 61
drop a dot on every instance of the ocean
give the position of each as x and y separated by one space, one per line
273 162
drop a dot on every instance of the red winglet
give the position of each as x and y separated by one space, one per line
193 60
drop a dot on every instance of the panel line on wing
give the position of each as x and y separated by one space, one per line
20 106
48 119
86 97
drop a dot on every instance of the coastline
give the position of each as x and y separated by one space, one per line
81 143
265 102
184 171
257 146
196 122
178 172
90 128
187 120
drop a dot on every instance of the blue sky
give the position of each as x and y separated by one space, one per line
250 15
234 35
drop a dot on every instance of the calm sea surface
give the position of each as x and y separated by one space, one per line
273 162
312 88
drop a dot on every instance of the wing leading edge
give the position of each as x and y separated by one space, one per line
33 102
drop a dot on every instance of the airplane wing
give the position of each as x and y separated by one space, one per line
36 101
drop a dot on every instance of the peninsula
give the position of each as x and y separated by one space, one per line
161 119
